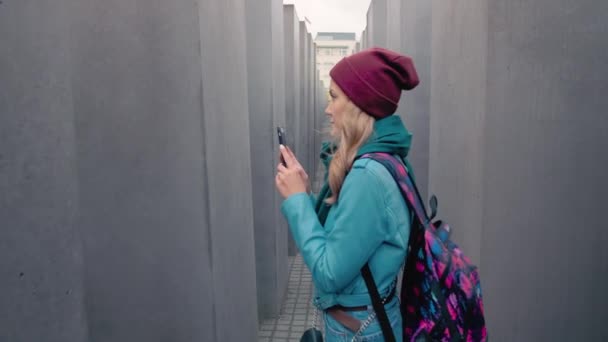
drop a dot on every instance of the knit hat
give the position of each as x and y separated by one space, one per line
373 79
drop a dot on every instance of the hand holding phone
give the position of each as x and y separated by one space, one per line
290 184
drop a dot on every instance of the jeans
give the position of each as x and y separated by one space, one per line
336 332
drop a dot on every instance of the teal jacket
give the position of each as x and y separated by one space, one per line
369 223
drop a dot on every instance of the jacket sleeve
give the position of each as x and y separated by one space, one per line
336 257
313 199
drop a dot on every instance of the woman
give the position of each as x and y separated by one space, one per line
360 216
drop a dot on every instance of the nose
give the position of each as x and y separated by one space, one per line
327 110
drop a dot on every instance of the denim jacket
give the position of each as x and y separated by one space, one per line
369 223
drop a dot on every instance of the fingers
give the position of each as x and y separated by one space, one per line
281 159
291 153
281 168
293 156
287 156
294 161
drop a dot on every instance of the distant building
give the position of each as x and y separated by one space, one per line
331 48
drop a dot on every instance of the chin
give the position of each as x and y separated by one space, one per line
335 132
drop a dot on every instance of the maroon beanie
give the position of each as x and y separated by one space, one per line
373 79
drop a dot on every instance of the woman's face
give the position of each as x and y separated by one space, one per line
335 108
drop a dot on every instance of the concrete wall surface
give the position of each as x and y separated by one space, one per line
377 23
42 293
548 139
266 109
132 150
292 87
300 70
405 26
302 126
517 148
414 107
136 75
311 86
279 115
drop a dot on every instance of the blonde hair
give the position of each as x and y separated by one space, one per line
357 127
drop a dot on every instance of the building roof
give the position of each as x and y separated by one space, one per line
336 36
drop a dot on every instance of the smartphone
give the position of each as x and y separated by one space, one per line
282 141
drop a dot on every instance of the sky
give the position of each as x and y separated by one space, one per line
333 15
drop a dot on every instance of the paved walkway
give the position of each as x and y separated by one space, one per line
296 312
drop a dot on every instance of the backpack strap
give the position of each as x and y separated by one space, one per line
391 164
408 188
385 325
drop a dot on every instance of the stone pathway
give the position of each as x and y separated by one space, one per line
297 311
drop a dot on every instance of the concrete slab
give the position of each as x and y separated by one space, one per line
41 252
266 109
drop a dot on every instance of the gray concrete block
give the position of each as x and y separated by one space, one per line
302 144
414 107
143 205
377 18
152 156
369 29
394 22
228 166
312 66
456 119
292 90
266 104
41 253
280 118
517 152
302 127
292 71
405 26
544 158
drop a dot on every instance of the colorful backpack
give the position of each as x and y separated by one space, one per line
441 292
